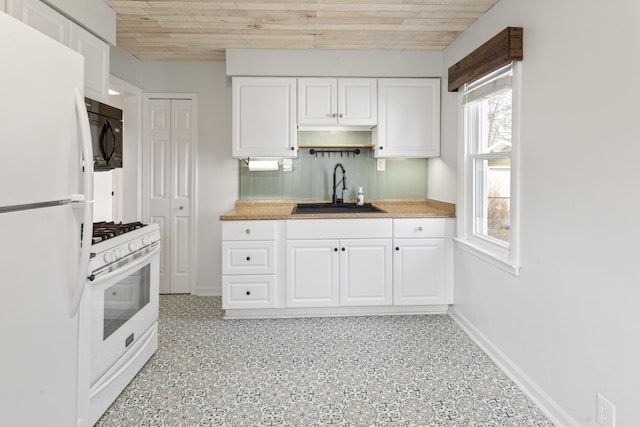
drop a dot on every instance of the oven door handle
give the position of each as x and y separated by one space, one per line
127 267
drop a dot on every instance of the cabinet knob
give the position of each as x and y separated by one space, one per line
381 147
247 231
397 248
419 228
248 292
343 249
181 208
248 258
335 249
293 148
333 116
341 115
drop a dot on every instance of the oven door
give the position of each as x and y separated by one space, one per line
124 305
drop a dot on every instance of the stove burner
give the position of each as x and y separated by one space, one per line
106 230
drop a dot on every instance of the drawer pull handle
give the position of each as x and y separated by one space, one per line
247 231
248 258
248 292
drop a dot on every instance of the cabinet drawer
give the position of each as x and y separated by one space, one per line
248 291
248 230
418 227
254 257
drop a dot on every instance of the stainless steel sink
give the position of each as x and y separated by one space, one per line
329 208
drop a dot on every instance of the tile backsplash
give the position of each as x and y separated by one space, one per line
312 174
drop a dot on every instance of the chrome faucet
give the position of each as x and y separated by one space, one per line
335 199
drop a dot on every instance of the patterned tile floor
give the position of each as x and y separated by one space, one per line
388 371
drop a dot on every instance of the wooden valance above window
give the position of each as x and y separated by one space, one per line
503 48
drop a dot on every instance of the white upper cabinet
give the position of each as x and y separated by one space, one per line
38 15
264 117
96 62
337 102
408 118
55 25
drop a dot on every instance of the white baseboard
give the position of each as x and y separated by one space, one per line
202 291
549 406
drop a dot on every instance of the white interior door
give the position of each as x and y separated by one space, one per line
170 143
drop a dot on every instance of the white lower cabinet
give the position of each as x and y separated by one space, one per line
313 277
344 262
422 261
337 266
249 264
332 273
418 271
365 272
248 291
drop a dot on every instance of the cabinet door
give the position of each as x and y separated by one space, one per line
357 102
96 62
317 101
36 14
337 102
365 272
264 117
418 271
408 118
312 273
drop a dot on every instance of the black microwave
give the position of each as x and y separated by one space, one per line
106 135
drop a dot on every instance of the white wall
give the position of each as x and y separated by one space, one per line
568 326
339 63
217 175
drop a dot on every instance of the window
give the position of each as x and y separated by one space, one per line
489 226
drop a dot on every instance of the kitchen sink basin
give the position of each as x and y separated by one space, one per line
329 208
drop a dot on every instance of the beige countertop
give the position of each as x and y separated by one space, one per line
394 208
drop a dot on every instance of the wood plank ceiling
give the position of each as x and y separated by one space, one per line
203 29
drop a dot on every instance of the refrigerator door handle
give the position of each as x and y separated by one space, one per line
85 202
87 148
85 252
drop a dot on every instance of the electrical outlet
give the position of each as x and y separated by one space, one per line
605 412
381 163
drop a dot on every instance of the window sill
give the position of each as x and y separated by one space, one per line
489 257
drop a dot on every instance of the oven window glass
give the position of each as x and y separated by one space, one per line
125 298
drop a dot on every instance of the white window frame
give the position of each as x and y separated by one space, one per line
500 254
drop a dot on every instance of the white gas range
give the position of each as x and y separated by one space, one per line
122 304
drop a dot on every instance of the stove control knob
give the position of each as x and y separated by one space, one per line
119 253
146 240
109 257
134 246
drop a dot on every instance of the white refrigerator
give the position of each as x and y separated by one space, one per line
45 207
